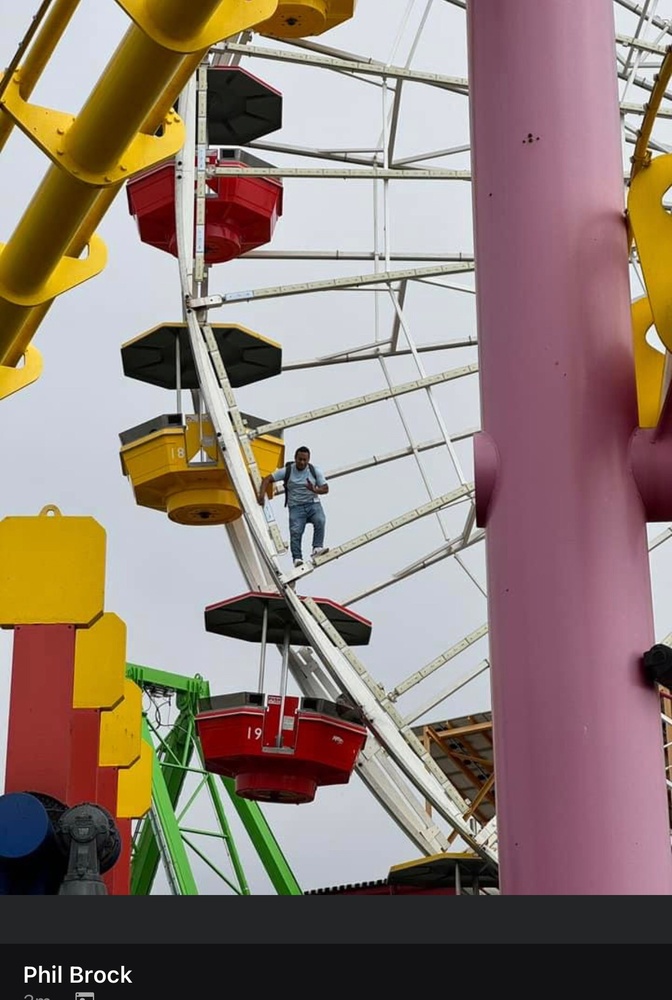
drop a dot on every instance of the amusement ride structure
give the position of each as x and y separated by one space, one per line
553 484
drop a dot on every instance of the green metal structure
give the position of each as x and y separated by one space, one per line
179 782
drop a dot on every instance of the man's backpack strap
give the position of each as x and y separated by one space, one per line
288 470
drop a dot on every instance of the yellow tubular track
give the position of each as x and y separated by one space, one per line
642 154
55 23
41 39
649 364
44 35
113 137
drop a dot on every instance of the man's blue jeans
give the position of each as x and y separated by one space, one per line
301 514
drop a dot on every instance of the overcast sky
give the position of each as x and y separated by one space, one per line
60 440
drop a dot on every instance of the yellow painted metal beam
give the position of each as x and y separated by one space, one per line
50 33
641 157
134 789
100 663
652 228
646 214
121 729
52 570
13 379
642 153
113 137
40 41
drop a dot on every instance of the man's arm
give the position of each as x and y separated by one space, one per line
265 483
314 488
320 486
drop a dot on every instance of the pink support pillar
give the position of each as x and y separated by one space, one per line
581 796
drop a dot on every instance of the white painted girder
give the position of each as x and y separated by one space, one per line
338 661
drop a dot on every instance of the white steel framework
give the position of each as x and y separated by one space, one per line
404 359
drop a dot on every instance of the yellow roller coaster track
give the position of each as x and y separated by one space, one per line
642 154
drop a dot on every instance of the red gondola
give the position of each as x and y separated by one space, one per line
240 212
277 747
280 749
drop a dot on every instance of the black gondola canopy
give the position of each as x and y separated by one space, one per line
247 356
242 618
241 107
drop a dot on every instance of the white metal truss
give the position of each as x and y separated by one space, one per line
395 765
392 739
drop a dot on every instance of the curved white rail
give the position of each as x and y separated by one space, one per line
257 554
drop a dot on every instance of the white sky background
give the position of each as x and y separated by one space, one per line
60 445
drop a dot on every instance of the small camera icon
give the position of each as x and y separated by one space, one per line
85 996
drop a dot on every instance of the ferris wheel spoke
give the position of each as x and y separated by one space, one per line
640 11
401 325
448 692
437 555
375 767
392 456
389 726
372 351
344 64
641 110
432 507
309 416
439 661
354 156
365 157
664 536
330 284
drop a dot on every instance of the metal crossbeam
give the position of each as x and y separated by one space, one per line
641 109
448 692
369 352
437 662
431 507
368 68
346 173
327 285
353 404
350 255
451 548
393 456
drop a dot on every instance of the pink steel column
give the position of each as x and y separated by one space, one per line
581 797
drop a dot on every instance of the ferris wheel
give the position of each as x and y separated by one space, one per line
325 263
383 359
387 399
395 553
371 283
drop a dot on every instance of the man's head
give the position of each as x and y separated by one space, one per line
302 457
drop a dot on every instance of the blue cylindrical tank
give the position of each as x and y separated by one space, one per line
30 861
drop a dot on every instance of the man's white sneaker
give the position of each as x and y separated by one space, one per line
298 562
318 552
